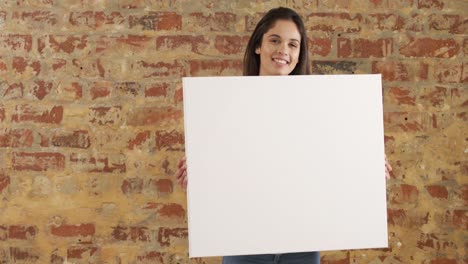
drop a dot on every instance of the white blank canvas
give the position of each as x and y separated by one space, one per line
281 164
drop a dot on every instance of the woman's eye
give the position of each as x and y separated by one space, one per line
275 41
293 45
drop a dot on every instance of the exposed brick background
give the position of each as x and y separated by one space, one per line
91 121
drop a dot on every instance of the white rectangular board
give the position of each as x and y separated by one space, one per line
280 164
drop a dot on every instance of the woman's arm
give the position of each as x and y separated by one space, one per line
181 174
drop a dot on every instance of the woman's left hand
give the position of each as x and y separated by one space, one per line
388 168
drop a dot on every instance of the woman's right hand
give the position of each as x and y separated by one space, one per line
181 174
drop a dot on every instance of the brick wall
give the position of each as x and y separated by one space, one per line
91 122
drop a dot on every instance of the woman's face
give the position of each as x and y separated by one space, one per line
280 48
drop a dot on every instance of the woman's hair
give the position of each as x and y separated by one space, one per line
252 60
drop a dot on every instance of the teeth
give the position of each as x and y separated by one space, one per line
280 61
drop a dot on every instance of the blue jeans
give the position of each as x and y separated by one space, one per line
288 258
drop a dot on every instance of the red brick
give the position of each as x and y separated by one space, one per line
453 24
215 67
96 20
20 65
127 88
460 218
11 91
448 73
443 261
178 95
334 22
71 89
132 186
171 210
67 44
139 139
81 252
437 191
55 258
2 113
75 139
343 258
320 46
58 64
39 161
153 116
28 113
404 193
22 232
104 115
166 235
385 22
434 4
124 44
157 90
403 96
73 230
16 138
182 43
229 45
400 71
217 21
15 42
41 88
464 78
3 66
110 163
364 48
428 47
24 255
36 19
100 89
157 21
406 122
163 186
396 216
4 182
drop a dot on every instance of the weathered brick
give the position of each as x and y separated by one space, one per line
81 252
406 122
153 116
163 186
35 114
453 24
100 89
229 45
139 139
385 21
99 163
132 186
65 43
27 255
152 257
38 161
458 97
157 21
70 90
333 67
127 88
252 20
75 139
217 21
364 48
41 88
15 42
11 91
35 20
404 194
400 71
105 115
21 65
133 233
167 235
182 43
97 20
334 22
215 67
159 69
448 73
15 138
401 96
4 182
433 4
428 47
128 44
320 46
436 97
65 230
169 140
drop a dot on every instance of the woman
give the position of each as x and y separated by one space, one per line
278 46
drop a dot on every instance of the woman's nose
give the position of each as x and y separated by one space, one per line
283 49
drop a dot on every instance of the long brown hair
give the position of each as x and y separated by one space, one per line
252 60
